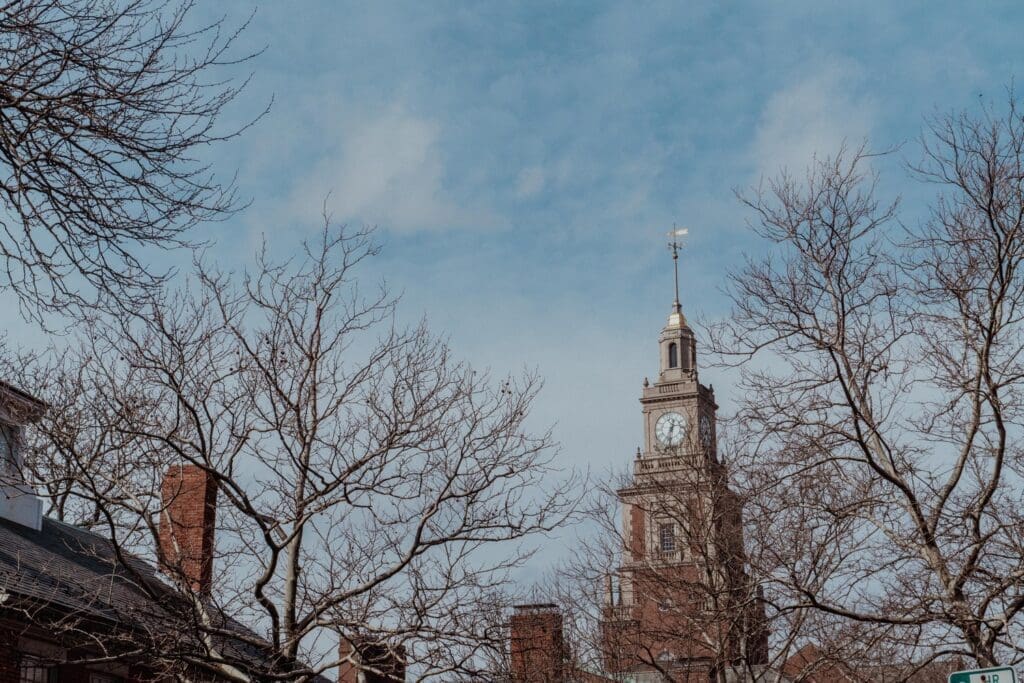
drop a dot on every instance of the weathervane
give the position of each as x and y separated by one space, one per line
675 243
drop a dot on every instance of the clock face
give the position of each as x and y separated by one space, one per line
670 429
705 431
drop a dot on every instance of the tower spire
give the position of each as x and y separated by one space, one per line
675 243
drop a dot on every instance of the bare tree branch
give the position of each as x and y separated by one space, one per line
106 111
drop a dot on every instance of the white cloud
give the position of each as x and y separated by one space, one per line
384 169
812 116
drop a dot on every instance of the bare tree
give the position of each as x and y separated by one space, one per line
105 111
874 453
371 488
684 608
881 395
706 603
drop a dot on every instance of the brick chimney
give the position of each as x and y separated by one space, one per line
389 661
187 525
537 650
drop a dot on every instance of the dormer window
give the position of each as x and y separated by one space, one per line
673 355
18 501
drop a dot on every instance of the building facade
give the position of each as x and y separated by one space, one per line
681 603
76 608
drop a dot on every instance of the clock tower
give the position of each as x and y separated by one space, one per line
681 606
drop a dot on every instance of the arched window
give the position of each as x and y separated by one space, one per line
673 355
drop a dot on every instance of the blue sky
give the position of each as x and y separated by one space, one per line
523 160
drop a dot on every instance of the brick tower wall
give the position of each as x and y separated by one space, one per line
537 648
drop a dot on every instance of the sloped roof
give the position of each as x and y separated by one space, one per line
70 567
78 572
28 407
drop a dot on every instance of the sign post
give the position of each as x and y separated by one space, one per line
999 674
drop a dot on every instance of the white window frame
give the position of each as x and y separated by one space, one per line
41 669
667 532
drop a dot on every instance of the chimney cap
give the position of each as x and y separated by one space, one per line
537 607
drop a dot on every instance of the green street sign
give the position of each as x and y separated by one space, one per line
1000 674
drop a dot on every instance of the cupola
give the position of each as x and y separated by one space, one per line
678 348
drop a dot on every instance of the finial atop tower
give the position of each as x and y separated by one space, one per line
675 242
